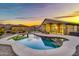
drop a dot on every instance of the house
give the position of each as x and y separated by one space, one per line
34 28
10 28
19 29
52 26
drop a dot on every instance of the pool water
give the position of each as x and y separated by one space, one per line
35 42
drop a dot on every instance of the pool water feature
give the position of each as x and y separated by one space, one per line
36 42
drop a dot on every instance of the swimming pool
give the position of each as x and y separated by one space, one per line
39 43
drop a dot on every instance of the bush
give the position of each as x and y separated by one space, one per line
2 31
18 37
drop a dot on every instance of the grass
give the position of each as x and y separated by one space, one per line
18 37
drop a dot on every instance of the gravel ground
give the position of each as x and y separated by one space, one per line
6 50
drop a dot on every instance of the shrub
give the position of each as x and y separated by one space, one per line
2 31
18 37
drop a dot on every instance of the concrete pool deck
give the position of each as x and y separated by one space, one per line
6 50
67 49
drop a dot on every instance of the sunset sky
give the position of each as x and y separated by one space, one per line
34 14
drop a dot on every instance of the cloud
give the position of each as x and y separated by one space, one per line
29 17
76 13
26 17
5 7
8 6
64 16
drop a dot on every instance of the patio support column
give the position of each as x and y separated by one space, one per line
58 28
65 29
45 27
75 28
50 27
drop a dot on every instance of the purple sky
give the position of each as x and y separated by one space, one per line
30 10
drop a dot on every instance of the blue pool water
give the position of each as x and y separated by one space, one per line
36 43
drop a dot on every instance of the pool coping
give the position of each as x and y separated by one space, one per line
65 50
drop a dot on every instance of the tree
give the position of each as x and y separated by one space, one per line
2 31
